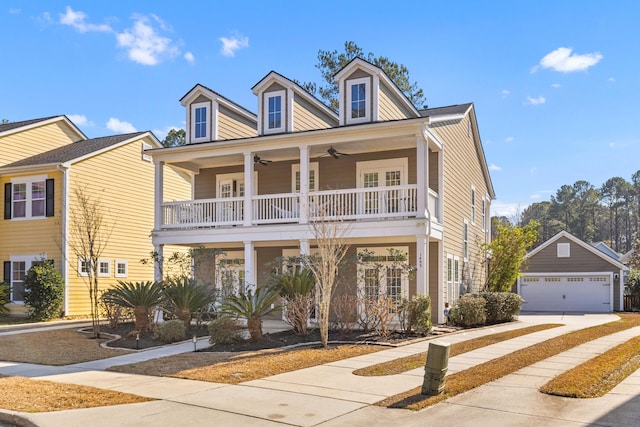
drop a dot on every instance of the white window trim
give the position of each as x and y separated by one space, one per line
383 251
564 250
28 263
126 268
367 100
28 205
283 111
465 240
456 281
473 205
382 165
449 280
483 214
295 168
104 261
192 125
238 176
80 272
146 157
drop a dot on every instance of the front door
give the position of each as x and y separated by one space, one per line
382 173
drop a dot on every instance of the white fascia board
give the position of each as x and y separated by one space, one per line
447 117
28 170
43 123
201 90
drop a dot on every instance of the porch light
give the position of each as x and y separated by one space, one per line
137 341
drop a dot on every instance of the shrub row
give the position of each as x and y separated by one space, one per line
485 308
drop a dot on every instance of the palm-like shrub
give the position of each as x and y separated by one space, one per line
251 306
184 297
297 291
142 297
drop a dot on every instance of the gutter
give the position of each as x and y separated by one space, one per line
64 246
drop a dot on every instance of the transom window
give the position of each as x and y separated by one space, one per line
358 100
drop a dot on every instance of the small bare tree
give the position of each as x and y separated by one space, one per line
329 233
88 238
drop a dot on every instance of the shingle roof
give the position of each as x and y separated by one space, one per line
221 96
73 150
442 111
14 125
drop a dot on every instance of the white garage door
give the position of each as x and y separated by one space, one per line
590 293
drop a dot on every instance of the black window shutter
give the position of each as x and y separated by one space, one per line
7 200
50 199
6 276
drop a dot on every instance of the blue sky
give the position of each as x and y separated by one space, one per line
555 83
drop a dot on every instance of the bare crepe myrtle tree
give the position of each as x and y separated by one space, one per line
329 233
88 236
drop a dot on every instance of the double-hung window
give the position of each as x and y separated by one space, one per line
358 100
29 198
200 121
274 111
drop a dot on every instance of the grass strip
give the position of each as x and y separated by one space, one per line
233 369
597 376
415 361
27 395
492 370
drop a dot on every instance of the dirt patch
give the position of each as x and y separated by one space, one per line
54 347
27 395
128 336
234 368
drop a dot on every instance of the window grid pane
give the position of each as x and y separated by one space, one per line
358 101
19 270
201 122
275 112
38 196
19 200
371 283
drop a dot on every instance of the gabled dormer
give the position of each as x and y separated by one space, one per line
367 94
284 106
212 117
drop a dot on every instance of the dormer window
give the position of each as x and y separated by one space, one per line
358 100
273 108
200 121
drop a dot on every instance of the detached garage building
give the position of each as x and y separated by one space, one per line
567 274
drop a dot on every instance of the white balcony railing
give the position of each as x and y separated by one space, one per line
348 204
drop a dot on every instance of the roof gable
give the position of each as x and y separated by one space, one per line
13 127
574 239
199 89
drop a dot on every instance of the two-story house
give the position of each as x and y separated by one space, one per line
396 176
44 162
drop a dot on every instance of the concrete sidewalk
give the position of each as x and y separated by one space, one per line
331 395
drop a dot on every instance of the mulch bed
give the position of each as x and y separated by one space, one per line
128 336
287 338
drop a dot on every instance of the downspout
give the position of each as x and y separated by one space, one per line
64 247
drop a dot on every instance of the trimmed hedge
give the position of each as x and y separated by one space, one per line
43 291
171 331
224 330
485 308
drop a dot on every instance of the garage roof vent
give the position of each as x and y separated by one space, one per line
564 250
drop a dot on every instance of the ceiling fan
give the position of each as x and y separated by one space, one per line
335 153
263 162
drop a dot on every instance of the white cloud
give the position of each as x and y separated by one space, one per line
76 19
508 209
505 93
144 45
555 85
534 196
509 139
611 79
536 101
232 44
79 120
188 56
494 167
564 61
120 126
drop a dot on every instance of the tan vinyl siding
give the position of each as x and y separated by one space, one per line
231 125
20 145
434 167
205 181
580 260
462 169
124 184
308 117
388 106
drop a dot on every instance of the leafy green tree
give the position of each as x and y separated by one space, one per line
633 282
4 297
43 291
175 138
616 196
505 253
332 61
542 213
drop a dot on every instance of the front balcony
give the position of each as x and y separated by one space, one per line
354 204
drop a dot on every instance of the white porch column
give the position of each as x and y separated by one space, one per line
440 283
422 261
159 195
422 176
305 249
304 185
249 271
248 189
